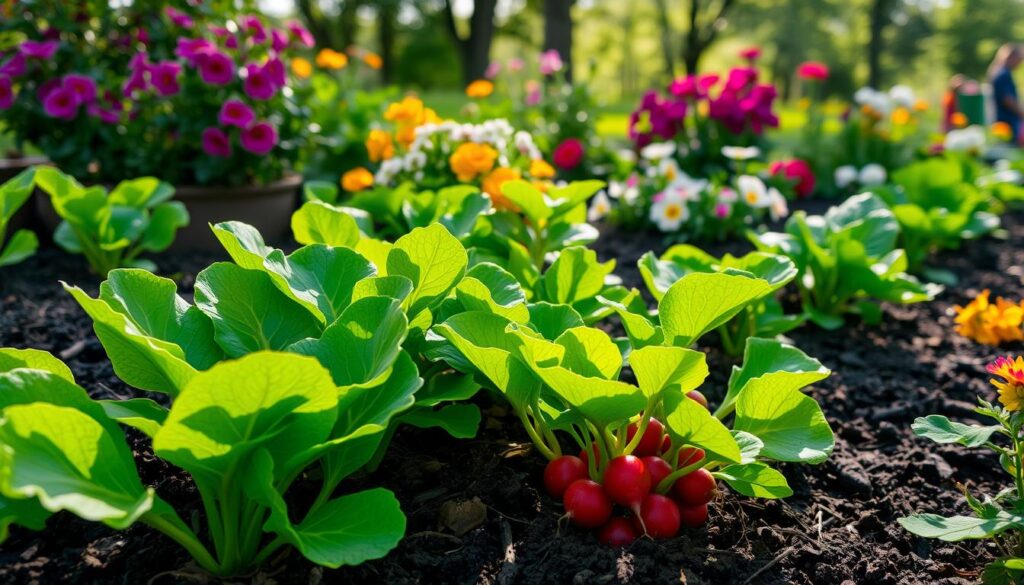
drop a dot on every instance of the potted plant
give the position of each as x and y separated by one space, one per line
189 95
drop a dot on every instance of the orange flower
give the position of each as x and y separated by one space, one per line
990 323
379 145
1011 388
357 180
373 60
408 111
959 119
331 59
471 159
921 105
492 186
901 116
1002 131
301 67
539 169
480 88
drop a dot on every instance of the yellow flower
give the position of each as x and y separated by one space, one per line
492 186
480 88
357 180
301 67
379 145
1002 131
921 105
408 111
804 103
471 159
1011 387
540 169
959 119
331 59
901 116
988 323
373 60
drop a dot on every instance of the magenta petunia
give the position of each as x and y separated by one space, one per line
6 92
216 142
260 138
39 49
83 86
235 113
106 115
550 62
164 77
813 70
178 17
258 84
254 28
138 78
62 103
278 40
569 154
15 66
216 69
301 34
274 68
194 50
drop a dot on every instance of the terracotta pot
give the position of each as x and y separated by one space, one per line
268 208
9 168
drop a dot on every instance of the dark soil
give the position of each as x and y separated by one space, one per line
838 527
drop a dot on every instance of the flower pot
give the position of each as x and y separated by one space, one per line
268 208
9 168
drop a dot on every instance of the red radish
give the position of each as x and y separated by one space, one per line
689 456
627 481
586 504
651 440
561 472
657 467
666 444
694 489
699 397
597 454
693 516
660 516
617 532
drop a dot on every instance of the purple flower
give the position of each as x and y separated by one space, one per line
274 68
493 70
46 88
515 64
278 40
178 17
300 33
61 103
164 77
259 138
550 62
216 68
106 115
15 66
82 85
6 92
235 113
687 88
252 25
258 84
137 79
39 49
231 42
216 142
194 50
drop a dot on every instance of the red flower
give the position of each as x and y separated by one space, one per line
814 70
569 154
797 171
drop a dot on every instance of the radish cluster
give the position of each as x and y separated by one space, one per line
630 484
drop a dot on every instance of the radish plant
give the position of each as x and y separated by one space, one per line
22 243
244 429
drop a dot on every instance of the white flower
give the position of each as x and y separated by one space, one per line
845 176
1001 165
689 188
872 175
863 95
727 195
627 155
875 100
970 139
740 152
415 161
669 212
658 150
777 208
902 96
753 191
600 205
669 169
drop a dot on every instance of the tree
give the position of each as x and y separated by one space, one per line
336 32
558 30
474 48
880 18
706 20
665 26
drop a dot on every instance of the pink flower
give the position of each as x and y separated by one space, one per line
82 85
750 53
516 64
62 103
106 115
15 66
278 40
6 92
178 17
813 70
493 70
533 96
46 88
235 113
194 50
722 210
274 68
164 77
216 68
550 62
796 171
137 79
260 138
569 154
254 28
258 84
38 49
687 88
300 33
216 142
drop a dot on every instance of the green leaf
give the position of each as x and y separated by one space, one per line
601 401
942 430
21 245
351 529
249 312
700 302
326 275
750 446
432 259
360 405
766 356
243 243
661 368
529 199
639 329
164 222
459 420
689 423
755 480
790 423
395 287
140 413
574 276
35 359
551 320
317 222
590 352
957 528
15 192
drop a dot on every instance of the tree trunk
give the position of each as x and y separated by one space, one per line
347 22
474 50
702 32
665 25
386 15
558 31
880 15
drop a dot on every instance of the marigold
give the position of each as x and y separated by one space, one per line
480 88
407 111
1011 387
331 59
1002 131
471 159
540 169
301 67
357 180
990 323
901 116
959 119
921 105
492 186
373 60
379 145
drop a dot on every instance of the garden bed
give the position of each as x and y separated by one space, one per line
838 526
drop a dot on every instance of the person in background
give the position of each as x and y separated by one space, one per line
1004 90
949 105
